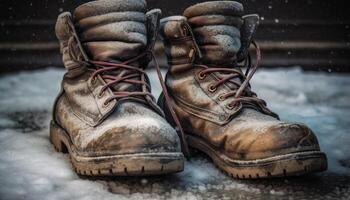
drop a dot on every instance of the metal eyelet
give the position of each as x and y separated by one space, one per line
222 97
101 94
229 106
201 76
93 80
106 104
211 88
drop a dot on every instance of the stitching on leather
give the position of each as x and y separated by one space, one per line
200 114
79 114
102 116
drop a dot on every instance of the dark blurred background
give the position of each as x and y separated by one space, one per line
313 34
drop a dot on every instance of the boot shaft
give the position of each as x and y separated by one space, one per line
180 45
112 31
219 29
105 46
216 27
206 60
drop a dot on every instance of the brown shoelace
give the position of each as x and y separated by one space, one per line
243 94
127 74
181 133
134 72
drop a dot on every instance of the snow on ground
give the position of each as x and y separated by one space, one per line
31 169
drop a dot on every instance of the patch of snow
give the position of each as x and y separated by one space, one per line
320 100
31 169
28 91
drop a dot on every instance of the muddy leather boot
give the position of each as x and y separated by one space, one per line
105 116
211 96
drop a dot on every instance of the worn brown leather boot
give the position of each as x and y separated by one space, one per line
105 116
212 97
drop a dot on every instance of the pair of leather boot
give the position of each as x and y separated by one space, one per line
106 118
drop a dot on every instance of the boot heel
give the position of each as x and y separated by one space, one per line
56 138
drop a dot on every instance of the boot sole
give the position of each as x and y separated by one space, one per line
293 164
138 164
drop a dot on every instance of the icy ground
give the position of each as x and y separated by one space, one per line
31 169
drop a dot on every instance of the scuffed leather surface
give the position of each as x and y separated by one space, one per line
216 26
70 46
182 77
247 135
132 128
83 96
112 31
116 31
176 34
187 93
106 31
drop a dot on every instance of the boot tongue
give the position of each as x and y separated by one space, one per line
112 30
216 26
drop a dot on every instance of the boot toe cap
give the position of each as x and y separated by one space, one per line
132 129
273 140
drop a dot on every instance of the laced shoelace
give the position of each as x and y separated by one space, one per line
127 74
134 72
243 94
